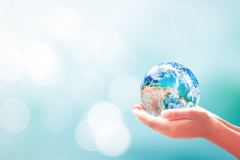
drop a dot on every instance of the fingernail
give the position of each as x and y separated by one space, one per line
165 113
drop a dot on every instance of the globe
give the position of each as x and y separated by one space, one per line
169 86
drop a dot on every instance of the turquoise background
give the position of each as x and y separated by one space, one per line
202 35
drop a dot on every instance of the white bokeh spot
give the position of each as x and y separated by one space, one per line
109 46
104 118
103 130
10 64
63 23
114 144
14 115
41 64
85 136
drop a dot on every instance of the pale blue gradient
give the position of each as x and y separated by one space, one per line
202 35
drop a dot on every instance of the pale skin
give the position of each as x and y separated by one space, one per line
193 123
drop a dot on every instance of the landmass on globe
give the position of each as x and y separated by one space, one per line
169 86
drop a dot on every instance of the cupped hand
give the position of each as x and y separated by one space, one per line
179 123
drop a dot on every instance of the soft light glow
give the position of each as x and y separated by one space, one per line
87 88
125 14
85 136
63 23
104 118
108 44
125 92
14 115
56 113
207 23
6 39
41 64
0 89
183 18
122 62
113 56
103 130
7 91
85 60
10 64
114 144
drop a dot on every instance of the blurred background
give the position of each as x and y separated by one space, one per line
70 72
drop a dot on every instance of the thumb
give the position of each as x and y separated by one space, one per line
178 113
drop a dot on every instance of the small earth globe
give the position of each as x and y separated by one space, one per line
169 86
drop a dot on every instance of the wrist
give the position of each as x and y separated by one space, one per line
213 128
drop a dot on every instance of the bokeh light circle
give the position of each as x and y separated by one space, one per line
123 61
125 92
41 64
63 23
86 60
7 91
104 118
10 64
56 113
6 39
87 88
14 115
109 47
108 54
114 144
85 136
104 41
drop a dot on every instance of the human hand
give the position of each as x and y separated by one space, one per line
179 123
227 124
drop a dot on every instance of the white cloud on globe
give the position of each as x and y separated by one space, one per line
87 88
14 115
63 23
56 113
41 64
125 92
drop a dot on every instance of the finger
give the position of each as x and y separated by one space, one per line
140 107
151 121
200 107
188 113
209 113
216 117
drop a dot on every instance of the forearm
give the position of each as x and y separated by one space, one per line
229 125
226 138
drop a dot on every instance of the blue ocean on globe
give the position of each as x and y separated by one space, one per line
169 86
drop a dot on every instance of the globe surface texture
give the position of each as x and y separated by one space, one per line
169 86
